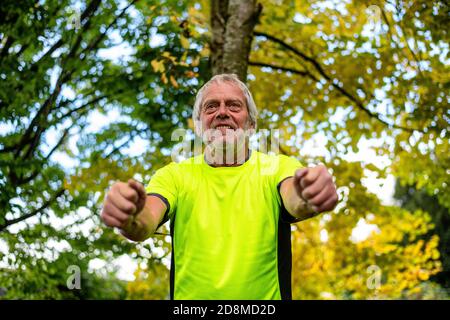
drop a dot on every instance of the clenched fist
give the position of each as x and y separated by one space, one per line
123 201
316 187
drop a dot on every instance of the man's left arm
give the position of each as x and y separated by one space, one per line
309 192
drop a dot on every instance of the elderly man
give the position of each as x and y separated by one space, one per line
229 216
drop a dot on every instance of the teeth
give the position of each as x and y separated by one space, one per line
225 127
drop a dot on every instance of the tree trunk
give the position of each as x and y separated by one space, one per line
232 23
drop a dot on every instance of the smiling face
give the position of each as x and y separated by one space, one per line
224 110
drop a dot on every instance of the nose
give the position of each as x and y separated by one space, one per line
223 111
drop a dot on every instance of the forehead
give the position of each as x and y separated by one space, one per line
223 90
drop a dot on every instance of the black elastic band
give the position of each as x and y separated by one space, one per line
166 202
284 214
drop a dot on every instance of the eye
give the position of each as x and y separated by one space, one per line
234 106
210 107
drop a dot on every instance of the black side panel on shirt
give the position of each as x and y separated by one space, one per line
172 223
284 249
284 259
284 214
172 261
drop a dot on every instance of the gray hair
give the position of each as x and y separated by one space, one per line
220 78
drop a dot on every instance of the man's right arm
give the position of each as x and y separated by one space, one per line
129 208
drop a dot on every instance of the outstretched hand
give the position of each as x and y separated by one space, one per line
123 201
316 187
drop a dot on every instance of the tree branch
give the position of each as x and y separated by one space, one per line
33 133
296 51
133 135
342 90
91 8
87 104
21 181
34 212
102 35
9 41
286 69
386 20
64 78
116 149
35 173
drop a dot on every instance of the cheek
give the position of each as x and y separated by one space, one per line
242 119
206 122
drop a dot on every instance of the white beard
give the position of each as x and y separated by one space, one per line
233 144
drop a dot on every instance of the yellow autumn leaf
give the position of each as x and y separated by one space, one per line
423 276
168 56
158 66
184 42
196 16
164 78
173 81
436 254
195 62
190 74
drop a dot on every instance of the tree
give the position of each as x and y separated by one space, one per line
412 199
54 165
232 24
152 283
390 260
350 77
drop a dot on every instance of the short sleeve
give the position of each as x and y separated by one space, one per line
164 185
286 168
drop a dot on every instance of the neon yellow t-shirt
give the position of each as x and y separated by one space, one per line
230 231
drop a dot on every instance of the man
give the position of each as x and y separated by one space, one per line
229 215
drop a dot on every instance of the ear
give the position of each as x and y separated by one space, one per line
252 125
